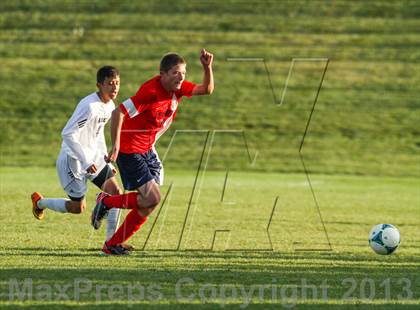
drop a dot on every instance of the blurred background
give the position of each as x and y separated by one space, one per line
365 122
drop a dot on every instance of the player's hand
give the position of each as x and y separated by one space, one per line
206 58
112 156
92 169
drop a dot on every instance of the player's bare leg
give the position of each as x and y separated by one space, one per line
76 206
148 198
62 205
111 187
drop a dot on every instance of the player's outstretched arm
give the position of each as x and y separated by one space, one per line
207 86
116 123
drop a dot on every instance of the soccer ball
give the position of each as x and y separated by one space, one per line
384 239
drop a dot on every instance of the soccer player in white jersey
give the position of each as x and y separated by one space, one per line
83 150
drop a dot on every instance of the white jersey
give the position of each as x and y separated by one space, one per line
83 135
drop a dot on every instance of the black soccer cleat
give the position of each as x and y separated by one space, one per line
114 250
99 212
128 247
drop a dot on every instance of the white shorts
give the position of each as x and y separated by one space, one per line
72 177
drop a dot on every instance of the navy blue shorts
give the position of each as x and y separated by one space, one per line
138 169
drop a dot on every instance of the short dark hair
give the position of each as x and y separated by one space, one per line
169 60
106 72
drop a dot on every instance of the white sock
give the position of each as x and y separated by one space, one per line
56 204
112 222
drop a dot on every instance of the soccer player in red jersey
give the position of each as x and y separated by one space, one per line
135 127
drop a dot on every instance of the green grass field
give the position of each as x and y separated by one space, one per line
271 249
301 270
367 111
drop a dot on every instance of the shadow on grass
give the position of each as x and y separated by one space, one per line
328 257
162 284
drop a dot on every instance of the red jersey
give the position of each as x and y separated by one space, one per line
148 114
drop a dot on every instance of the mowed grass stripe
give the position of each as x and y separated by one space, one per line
135 50
248 39
363 77
209 22
389 9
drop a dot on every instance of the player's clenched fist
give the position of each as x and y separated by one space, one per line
206 58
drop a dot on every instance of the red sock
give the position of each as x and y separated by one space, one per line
132 223
125 201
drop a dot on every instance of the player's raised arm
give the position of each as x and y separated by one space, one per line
207 86
116 123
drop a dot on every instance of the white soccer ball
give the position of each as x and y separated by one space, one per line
384 239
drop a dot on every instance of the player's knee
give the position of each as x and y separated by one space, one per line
153 199
116 191
150 201
111 187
